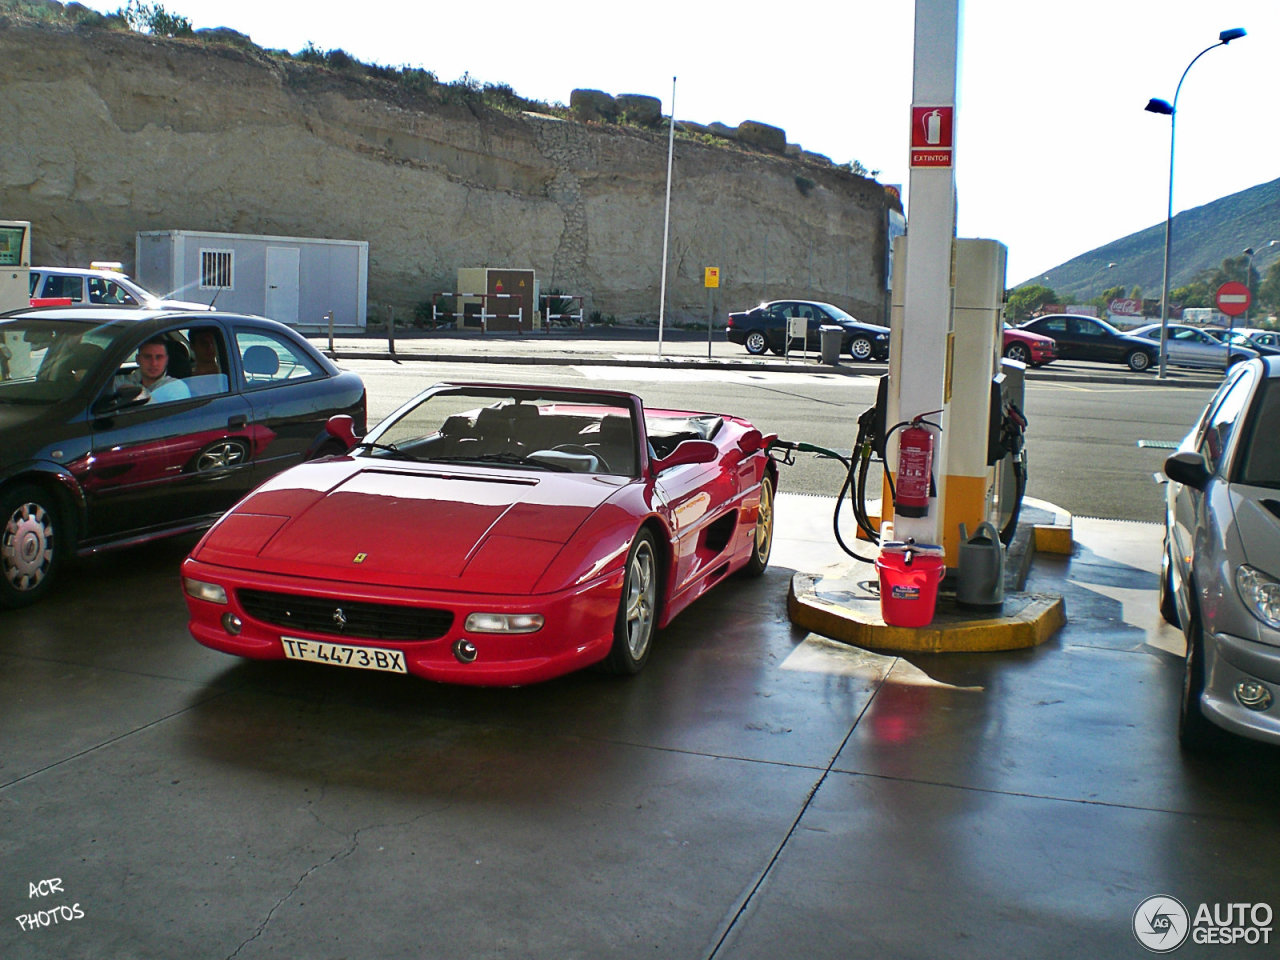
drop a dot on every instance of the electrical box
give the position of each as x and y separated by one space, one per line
510 298
15 264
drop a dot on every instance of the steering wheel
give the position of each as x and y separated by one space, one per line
585 451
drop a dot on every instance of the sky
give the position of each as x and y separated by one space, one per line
1054 152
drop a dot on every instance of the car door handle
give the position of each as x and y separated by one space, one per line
236 422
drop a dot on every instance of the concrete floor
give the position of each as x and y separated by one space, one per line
756 793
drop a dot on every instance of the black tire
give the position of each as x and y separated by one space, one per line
30 552
762 536
1018 351
637 619
1139 360
860 348
1195 733
756 343
1168 606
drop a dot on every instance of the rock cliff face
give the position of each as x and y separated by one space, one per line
106 133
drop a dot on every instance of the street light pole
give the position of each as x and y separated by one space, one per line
1248 271
1171 111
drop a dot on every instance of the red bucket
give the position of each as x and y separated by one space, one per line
909 591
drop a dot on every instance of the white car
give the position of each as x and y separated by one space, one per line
1188 346
101 283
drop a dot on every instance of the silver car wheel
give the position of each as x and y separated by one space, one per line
640 600
26 547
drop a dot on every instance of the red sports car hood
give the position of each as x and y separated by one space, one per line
406 525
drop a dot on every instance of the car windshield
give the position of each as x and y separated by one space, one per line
1260 458
512 428
44 361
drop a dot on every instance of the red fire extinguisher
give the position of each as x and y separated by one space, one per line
915 469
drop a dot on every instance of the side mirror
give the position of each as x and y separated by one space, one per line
342 427
1188 468
690 451
125 395
751 441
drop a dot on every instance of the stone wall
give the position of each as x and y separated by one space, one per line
106 133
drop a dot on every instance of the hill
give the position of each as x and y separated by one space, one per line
1202 238
211 133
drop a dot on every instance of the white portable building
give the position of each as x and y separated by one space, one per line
296 280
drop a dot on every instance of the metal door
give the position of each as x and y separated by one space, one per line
281 302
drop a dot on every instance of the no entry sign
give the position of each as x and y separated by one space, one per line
1233 298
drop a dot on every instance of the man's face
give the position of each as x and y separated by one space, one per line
152 360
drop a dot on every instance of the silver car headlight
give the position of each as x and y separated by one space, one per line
1261 594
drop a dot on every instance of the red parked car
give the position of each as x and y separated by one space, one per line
489 534
1033 349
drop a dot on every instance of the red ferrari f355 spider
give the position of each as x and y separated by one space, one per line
489 534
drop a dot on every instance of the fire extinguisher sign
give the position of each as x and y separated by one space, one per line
932 136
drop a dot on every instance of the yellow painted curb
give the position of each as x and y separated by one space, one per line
1056 537
858 622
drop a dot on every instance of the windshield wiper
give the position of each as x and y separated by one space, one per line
389 447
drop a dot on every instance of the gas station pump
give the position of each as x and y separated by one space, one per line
15 293
15 264
971 483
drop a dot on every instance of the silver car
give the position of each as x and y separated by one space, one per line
1188 346
1221 569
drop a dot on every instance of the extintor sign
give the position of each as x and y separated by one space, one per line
932 136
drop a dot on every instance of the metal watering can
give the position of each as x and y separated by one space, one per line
980 573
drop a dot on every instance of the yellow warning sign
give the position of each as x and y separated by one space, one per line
712 278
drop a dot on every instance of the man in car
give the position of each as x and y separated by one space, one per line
153 372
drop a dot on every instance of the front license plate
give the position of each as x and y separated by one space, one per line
344 655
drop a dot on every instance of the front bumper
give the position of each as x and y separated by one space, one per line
577 632
1228 661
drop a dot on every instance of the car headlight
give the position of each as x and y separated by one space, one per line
1261 594
211 592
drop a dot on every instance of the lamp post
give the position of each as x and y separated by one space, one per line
1248 270
1170 110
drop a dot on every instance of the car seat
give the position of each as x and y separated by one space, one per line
260 362
616 447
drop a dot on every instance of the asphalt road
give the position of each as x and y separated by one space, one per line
1082 440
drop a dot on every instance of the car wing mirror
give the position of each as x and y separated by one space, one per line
1188 468
342 427
689 451
751 441
125 395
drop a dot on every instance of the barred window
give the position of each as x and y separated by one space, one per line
217 269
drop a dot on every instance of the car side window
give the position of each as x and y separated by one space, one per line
58 286
1055 325
268 359
108 291
207 374
160 364
1216 432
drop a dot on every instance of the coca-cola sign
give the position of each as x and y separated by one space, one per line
1125 307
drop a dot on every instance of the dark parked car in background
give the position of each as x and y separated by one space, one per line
765 328
1221 567
89 460
1087 338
